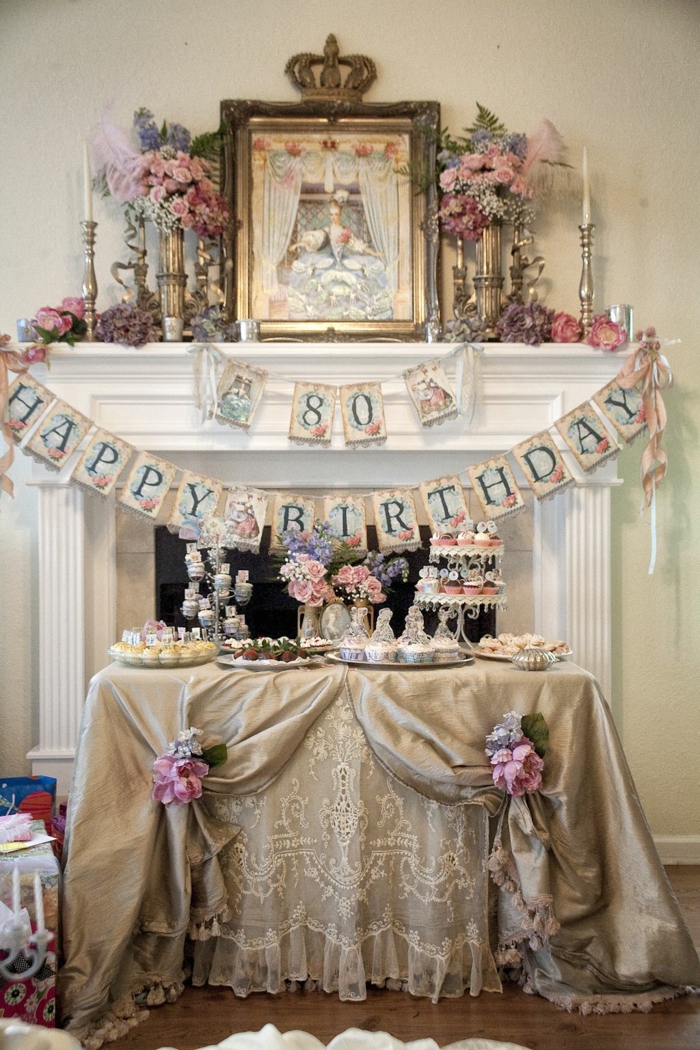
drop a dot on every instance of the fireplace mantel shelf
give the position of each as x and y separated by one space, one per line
145 396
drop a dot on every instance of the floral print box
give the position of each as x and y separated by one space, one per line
32 1000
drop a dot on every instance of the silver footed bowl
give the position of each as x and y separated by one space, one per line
533 659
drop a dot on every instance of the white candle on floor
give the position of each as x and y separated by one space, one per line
38 903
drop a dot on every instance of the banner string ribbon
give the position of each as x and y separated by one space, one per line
649 371
205 364
9 359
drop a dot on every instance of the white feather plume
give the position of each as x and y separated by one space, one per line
113 155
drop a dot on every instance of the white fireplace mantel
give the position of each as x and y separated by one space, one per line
146 397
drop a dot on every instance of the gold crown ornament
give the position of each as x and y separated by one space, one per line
330 83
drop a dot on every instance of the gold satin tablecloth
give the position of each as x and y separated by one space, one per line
349 837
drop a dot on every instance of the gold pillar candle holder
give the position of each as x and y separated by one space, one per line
488 279
586 291
89 279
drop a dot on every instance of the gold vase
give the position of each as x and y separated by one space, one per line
172 282
489 280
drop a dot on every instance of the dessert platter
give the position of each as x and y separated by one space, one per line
270 654
164 653
414 649
463 575
508 645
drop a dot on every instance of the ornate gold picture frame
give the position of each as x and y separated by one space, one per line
329 239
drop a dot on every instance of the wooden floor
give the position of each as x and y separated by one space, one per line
203 1016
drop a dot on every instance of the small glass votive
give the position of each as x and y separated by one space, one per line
622 314
25 331
248 330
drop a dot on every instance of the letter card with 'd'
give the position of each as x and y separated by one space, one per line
495 488
396 520
147 485
542 464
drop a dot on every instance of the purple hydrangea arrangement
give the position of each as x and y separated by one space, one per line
128 324
529 323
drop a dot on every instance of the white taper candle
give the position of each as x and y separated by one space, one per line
586 189
87 171
38 903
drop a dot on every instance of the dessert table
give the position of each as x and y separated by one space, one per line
354 834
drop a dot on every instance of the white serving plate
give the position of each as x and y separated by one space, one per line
133 661
227 660
396 665
504 658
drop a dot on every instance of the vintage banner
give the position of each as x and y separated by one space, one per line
543 465
431 393
396 520
147 485
347 518
585 435
244 514
362 407
624 408
238 394
445 503
494 486
291 512
197 497
313 407
26 403
102 462
58 435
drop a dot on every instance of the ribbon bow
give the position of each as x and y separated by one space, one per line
206 360
648 370
467 378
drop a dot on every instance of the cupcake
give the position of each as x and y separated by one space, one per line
352 649
465 539
381 652
415 653
482 539
439 539
445 649
473 587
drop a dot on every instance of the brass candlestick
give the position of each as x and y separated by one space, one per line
586 292
89 279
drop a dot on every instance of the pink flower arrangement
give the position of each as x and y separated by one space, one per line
178 780
35 354
606 334
516 748
517 769
566 328
176 191
356 582
178 774
60 324
306 581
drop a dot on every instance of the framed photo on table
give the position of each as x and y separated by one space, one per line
329 240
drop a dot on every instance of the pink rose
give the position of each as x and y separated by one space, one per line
566 328
48 318
359 574
171 186
16 424
448 178
158 168
505 175
373 428
293 148
641 415
517 769
391 149
354 541
56 453
196 169
344 236
407 534
315 569
177 780
557 475
179 206
75 305
35 354
605 334
602 446
157 194
182 174
344 577
187 221
509 501
302 590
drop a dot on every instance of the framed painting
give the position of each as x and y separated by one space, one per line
329 239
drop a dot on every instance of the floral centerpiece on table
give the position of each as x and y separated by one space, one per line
314 555
490 174
168 181
516 749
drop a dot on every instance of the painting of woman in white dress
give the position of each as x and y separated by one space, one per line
331 228
336 275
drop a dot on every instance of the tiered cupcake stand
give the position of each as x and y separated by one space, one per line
463 607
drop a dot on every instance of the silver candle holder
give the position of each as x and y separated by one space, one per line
89 279
586 291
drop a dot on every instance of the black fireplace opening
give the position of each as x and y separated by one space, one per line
271 611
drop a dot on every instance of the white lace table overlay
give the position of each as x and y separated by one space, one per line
343 875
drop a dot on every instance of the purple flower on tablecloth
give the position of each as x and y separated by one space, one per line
178 780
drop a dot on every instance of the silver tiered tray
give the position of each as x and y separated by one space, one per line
462 607
464 551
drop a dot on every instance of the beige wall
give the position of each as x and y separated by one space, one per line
618 75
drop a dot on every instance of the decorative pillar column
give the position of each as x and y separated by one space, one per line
61 642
